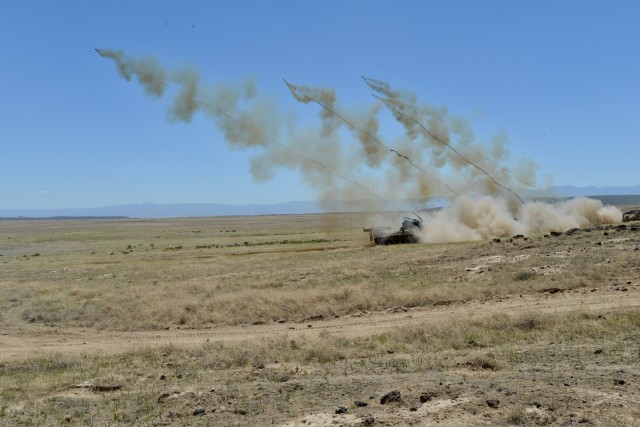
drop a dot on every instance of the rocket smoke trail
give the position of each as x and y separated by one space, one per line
424 163
502 168
299 94
153 79
402 117
455 151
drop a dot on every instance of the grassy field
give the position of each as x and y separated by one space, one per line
545 326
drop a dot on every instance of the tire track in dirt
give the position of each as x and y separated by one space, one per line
33 341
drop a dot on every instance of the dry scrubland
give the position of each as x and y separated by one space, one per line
279 320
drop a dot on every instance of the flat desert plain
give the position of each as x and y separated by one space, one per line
298 320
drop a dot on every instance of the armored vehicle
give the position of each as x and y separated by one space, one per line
409 233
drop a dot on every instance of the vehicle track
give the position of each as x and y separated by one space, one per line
35 341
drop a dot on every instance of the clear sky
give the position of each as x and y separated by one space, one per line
560 78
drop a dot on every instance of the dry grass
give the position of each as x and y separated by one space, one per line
202 273
274 379
195 273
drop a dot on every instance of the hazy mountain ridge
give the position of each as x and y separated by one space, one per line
175 210
170 210
572 191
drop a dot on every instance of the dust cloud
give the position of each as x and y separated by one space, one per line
487 217
344 157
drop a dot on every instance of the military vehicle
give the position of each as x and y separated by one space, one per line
409 233
633 215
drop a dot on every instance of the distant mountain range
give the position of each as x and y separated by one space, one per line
173 210
571 191
177 210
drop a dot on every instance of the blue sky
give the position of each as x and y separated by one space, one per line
559 78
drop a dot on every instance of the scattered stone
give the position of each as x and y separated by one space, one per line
198 412
163 377
368 421
493 403
496 240
360 403
572 231
551 290
555 233
598 351
414 408
618 382
425 397
392 396
104 388
341 409
399 309
67 418
283 320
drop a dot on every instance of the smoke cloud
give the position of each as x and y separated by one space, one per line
344 157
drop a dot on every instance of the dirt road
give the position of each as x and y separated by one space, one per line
37 340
